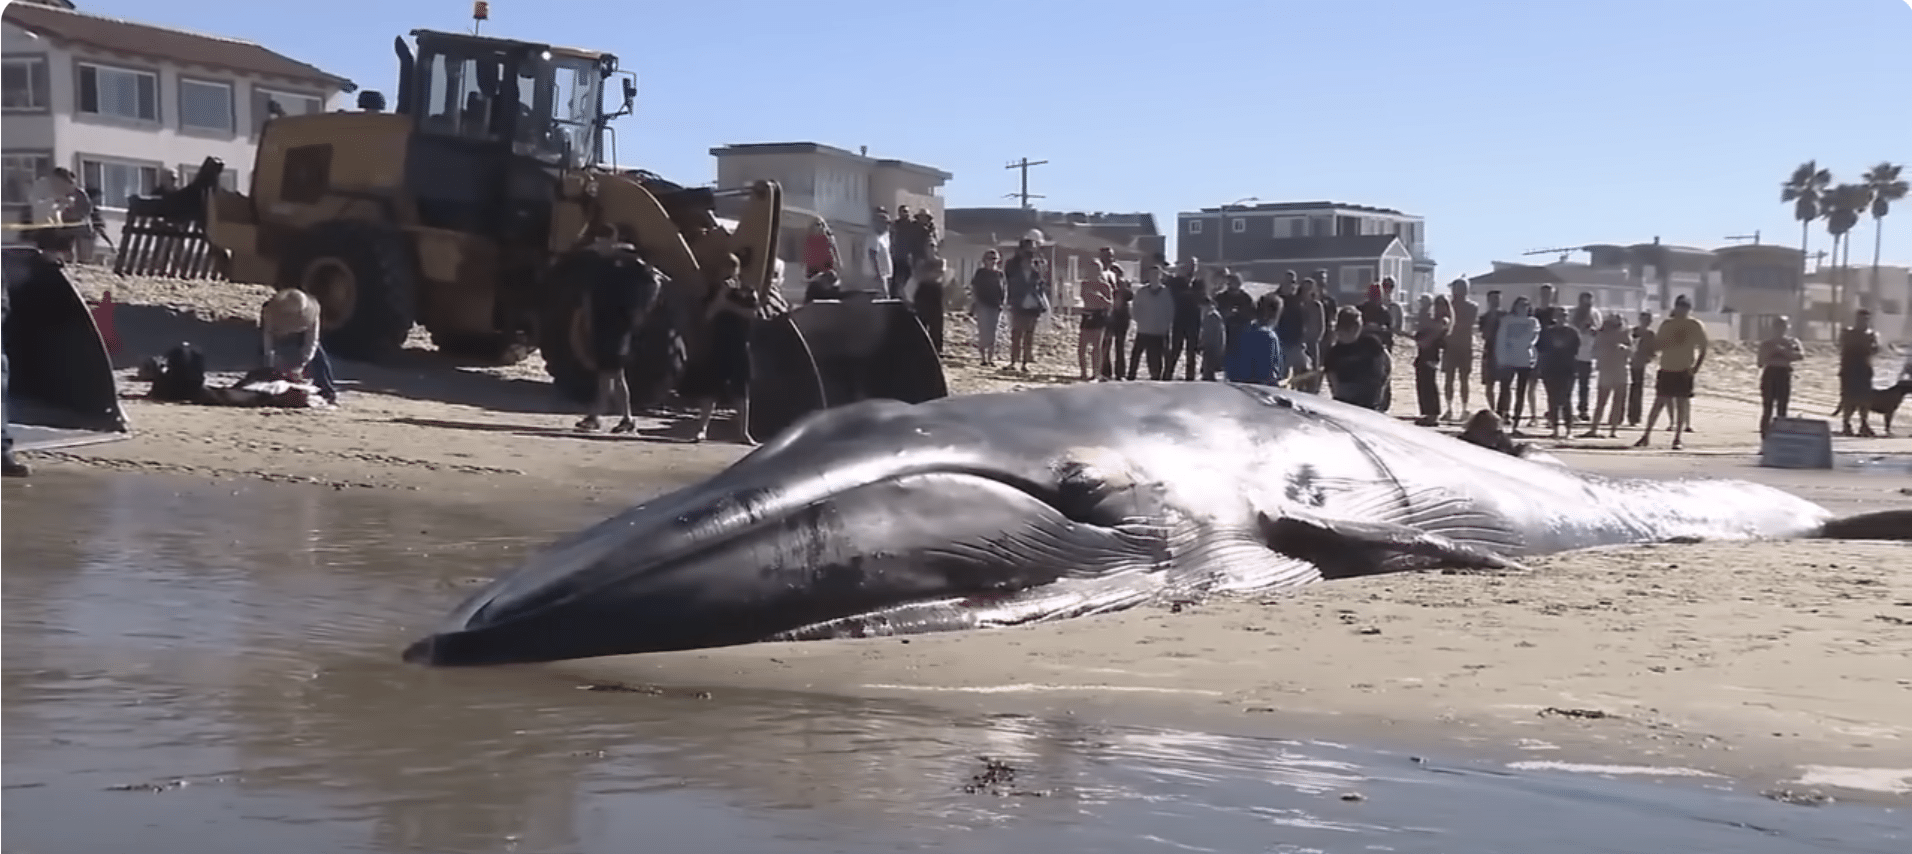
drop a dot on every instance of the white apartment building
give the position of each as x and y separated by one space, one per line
121 103
843 187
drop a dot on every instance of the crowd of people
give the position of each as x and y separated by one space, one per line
1589 366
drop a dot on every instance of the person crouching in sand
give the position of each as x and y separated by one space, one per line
289 339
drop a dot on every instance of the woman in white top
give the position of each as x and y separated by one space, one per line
1514 353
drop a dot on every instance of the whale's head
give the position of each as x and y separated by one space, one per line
869 519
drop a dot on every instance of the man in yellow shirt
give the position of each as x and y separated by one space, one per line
1682 346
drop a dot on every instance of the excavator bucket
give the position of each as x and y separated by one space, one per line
832 352
60 386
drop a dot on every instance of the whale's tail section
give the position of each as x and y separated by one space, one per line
1877 525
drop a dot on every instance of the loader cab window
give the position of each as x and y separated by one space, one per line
460 97
575 91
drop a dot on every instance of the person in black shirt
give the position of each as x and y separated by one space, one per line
721 374
1187 288
1554 355
1115 336
1356 364
621 291
1237 308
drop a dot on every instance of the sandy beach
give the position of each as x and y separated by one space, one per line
1778 662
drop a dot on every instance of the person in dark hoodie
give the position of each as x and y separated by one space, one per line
1357 365
1187 288
1555 355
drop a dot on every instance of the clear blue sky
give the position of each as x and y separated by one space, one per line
1510 124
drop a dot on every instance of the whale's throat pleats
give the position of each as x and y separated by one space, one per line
1374 528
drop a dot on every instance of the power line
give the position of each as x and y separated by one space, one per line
1024 164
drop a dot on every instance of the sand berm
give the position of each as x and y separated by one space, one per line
1780 665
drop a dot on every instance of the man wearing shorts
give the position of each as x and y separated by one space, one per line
1458 361
1683 346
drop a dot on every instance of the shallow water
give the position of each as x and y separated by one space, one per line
207 668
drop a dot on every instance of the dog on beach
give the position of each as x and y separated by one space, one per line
1885 402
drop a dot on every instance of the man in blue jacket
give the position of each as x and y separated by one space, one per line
1256 356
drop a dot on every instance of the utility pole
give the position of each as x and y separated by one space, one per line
1024 164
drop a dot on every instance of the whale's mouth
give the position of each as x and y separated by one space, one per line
832 556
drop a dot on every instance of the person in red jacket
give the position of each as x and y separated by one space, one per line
819 250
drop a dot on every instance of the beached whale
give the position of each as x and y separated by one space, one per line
884 518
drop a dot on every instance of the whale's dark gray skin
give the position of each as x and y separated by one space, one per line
883 518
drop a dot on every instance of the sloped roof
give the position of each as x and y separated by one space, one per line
129 37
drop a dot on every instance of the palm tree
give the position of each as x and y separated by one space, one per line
1887 187
1843 205
1806 191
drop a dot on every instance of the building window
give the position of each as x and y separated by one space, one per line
293 103
1238 225
1356 279
1194 226
1320 226
18 172
205 105
117 180
119 92
26 86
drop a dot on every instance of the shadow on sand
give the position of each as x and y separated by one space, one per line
675 428
233 346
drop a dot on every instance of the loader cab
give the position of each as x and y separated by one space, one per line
495 122
544 103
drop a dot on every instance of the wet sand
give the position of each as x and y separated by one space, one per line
1752 659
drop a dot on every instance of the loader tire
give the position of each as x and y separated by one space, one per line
362 275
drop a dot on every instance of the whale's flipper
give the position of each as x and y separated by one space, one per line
1878 525
1345 549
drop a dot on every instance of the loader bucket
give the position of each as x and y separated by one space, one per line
165 235
61 390
832 352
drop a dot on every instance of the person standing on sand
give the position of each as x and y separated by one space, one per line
9 466
1777 355
1646 348
1489 366
1612 344
1431 334
876 265
1457 362
1097 293
1213 339
721 377
1556 359
1514 341
986 295
1185 336
1026 279
289 336
1585 320
1115 338
1256 358
622 290
1858 343
1154 309
1683 347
